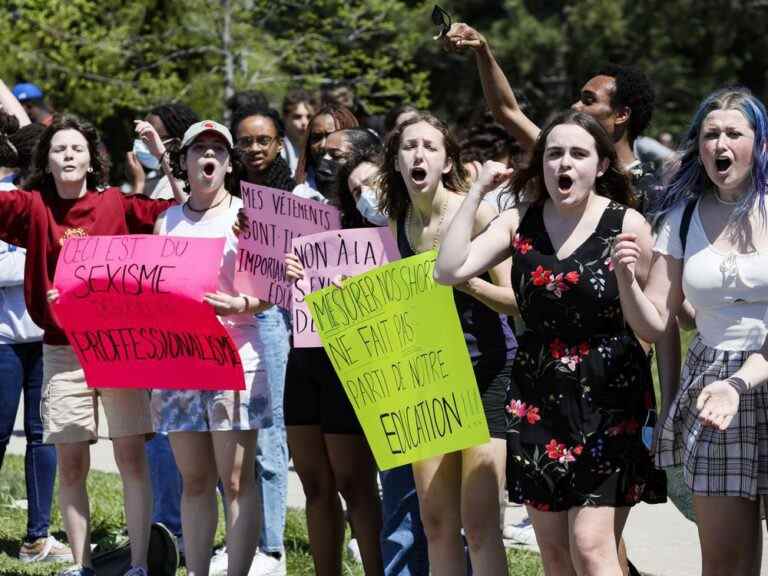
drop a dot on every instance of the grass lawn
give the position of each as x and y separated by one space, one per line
107 521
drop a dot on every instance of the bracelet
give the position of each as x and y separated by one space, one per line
247 302
737 384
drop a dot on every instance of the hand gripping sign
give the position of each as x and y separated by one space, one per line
132 308
393 335
328 255
277 217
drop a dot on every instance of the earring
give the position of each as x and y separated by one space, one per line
90 170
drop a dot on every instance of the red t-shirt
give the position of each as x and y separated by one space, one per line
41 221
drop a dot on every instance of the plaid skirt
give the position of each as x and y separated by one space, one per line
733 462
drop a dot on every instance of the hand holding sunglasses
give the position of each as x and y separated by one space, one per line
455 37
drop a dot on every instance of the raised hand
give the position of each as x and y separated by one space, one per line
491 176
462 36
717 404
150 137
625 255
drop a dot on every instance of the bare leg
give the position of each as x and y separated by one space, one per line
235 454
194 456
74 461
553 537
730 535
355 473
595 532
482 474
325 519
137 493
438 484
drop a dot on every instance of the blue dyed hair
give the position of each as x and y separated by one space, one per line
688 177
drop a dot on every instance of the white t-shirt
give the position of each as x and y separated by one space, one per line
729 292
242 327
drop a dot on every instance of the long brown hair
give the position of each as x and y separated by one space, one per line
342 118
394 195
39 177
613 184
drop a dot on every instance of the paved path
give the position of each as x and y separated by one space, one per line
660 541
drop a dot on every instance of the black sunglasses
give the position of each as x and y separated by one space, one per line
441 19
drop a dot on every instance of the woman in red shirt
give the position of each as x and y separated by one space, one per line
63 199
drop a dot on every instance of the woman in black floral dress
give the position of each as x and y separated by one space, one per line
582 384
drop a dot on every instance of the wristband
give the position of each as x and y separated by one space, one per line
247 302
737 384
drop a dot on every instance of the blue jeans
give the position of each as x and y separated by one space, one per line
272 447
403 542
166 483
21 369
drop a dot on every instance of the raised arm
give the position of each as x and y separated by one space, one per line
11 105
152 139
498 93
460 257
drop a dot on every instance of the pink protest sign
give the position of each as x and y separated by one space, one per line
277 217
132 308
330 254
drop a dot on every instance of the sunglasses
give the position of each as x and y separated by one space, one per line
442 20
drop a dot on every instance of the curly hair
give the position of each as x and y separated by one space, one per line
344 201
9 124
342 118
633 90
394 195
176 118
613 184
24 140
40 179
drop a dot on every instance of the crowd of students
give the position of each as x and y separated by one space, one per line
570 257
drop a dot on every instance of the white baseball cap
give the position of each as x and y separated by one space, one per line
206 126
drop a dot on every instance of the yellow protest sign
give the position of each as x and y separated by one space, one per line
394 338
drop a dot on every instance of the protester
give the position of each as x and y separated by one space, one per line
313 180
259 137
582 387
214 433
330 453
708 252
32 99
397 116
422 188
170 121
62 201
21 365
298 108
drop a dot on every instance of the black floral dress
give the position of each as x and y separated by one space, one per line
582 388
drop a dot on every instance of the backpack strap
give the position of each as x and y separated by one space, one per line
685 222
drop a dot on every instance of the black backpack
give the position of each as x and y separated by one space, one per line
685 223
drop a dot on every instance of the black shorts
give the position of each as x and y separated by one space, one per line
314 395
494 377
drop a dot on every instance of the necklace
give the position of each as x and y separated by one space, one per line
211 207
438 232
726 202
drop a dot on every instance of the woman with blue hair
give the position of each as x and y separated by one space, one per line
710 251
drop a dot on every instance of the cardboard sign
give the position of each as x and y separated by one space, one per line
276 218
394 338
132 308
328 255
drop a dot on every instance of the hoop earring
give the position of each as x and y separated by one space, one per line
90 170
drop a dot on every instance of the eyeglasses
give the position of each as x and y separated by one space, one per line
442 20
249 141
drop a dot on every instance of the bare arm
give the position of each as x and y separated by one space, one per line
152 139
498 93
12 106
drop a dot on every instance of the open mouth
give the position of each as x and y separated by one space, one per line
418 174
564 182
209 168
722 164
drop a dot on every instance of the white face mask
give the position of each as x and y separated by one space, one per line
368 206
144 156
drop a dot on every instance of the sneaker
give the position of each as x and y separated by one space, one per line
219 563
78 571
521 533
45 550
265 564
137 571
353 549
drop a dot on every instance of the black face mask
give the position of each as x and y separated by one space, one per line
327 171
